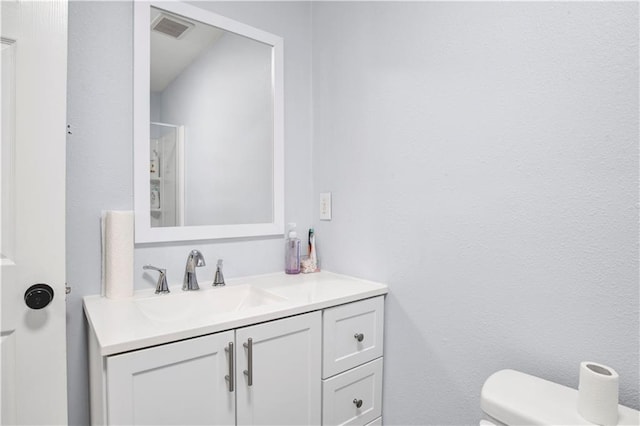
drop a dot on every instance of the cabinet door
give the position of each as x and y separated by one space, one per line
285 371
180 383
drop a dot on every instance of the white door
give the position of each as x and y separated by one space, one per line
182 383
282 385
33 343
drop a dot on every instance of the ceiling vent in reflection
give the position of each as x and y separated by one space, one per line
171 26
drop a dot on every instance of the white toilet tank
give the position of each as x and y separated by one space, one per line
515 398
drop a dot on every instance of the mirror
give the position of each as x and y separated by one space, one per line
208 126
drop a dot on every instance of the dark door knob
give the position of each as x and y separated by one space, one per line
38 296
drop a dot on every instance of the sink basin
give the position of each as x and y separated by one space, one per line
205 303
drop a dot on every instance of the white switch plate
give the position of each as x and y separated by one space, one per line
325 206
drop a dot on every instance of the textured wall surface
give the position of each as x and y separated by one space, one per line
483 160
100 158
99 162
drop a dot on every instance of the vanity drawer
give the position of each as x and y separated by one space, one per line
376 422
352 335
342 394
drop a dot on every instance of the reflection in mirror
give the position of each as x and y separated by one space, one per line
165 174
217 86
208 126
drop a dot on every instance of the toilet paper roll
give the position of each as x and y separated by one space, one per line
598 393
117 254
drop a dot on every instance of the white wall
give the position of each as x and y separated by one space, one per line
99 162
483 160
100 158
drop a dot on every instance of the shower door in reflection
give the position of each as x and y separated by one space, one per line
166 174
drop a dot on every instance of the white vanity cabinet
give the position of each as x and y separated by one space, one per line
312 354
275 368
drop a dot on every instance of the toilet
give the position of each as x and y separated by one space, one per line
512 398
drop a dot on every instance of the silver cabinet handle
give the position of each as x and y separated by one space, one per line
229 377
359 337
249 371
357 402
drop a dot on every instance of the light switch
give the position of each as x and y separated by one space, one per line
325 206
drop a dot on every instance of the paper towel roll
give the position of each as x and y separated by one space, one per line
598 393
117 254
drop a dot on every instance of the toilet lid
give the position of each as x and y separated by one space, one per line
516 398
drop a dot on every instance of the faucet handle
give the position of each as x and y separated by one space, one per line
161 286
219 278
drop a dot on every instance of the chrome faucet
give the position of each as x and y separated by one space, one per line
194 260
161 287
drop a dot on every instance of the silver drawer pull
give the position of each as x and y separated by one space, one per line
359 337
249 371
229 377
357 402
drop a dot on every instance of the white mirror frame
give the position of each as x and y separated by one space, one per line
144 233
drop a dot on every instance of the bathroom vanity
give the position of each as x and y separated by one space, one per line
271 349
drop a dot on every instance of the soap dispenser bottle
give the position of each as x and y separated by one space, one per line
292 251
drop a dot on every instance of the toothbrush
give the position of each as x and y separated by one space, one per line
312 249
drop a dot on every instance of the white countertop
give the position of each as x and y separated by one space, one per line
120 325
